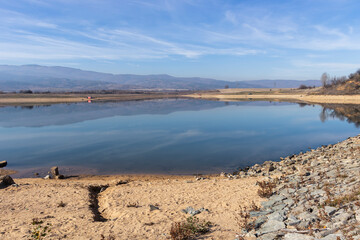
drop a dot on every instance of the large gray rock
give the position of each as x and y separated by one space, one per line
271 226
334 237
330 210
297 236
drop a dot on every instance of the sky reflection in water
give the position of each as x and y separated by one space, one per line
162 136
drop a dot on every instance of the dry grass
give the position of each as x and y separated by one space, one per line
266 189
188 229
244 220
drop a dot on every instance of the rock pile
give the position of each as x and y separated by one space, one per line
317 195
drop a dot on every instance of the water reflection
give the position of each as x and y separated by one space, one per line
343 112
64 114
166 136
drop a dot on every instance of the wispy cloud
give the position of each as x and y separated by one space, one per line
182 32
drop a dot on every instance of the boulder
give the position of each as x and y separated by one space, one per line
3 164
6 181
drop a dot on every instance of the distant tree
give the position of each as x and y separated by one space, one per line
324 79
226 86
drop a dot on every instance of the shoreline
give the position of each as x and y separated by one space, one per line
54 98
243 94
126 198
312 99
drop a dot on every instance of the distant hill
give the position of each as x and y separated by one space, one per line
44 78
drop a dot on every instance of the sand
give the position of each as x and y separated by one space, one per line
276 95
39 198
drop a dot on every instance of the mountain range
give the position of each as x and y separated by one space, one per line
56 78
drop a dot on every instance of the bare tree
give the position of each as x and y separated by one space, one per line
324 79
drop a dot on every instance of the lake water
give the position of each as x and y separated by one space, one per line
174 136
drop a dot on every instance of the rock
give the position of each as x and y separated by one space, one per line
60 177
297 236
54 171
278 216
6 181
47 177
330 210
260 221
334 237
271 226
293 221
260 213
269 236
3 164
152 207
192 211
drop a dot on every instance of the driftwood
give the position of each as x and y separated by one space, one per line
3 164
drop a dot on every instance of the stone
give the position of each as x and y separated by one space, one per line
269 236
330 210
259 213
271 226
152 207
293 221
279 216
6 181
47 177
342 218
60 177
3 164
260 221
297 236
279 207
303 225
54 171
192 211
334 237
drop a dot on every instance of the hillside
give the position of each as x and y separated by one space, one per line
44 78
342 85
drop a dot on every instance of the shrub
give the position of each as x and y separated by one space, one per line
266 188
188 229
39 231
244 220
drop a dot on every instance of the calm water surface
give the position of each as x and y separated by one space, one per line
163 136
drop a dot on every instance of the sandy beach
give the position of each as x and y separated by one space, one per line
42 199
293 95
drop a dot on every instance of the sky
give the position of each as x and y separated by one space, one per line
222 39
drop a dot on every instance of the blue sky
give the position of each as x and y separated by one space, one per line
230 40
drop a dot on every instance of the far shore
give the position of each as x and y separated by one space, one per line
234 94
52 98
292 95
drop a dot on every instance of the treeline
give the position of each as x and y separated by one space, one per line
327 81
